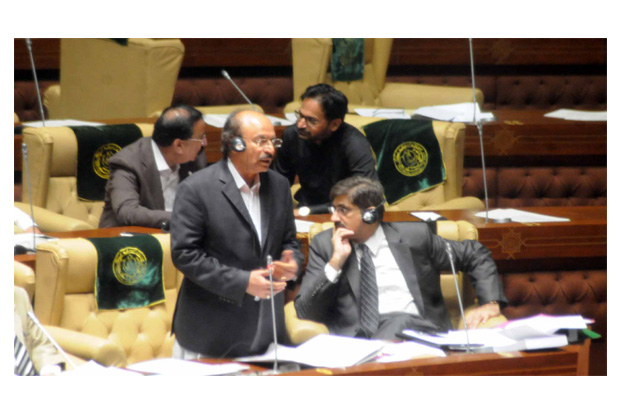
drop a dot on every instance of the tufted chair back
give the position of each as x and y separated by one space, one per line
64 297
311 59
52 156
102 79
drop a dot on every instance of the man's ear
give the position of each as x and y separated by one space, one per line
335 124
177 145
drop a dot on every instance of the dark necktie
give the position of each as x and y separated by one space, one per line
23 364
369 312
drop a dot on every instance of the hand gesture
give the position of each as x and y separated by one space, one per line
286 268
259 285
342 247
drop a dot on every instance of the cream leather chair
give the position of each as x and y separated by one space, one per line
24 276
102 79
52 156
65 300
311 59
301 330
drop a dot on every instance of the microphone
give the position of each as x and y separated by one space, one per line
30 193
273 314
165 226
225 75
35 320
478 122
453 270
32 64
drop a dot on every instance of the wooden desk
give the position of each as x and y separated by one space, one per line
527 137
30 259
571 360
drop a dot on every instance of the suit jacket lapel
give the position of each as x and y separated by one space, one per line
233 194
265 214
151 173
401 252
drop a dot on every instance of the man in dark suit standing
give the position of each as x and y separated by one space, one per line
226 220
144 176
367 278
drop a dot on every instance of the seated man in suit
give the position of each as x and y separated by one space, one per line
367 278
144 176
227 219
34 353
322 149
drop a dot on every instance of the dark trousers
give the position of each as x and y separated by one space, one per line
393 323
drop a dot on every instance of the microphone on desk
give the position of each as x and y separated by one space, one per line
35 320
32 65
453 270
273 314
30 193
225 75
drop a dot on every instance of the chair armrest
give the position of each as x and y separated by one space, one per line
24 276
300 330
405 95
417 203
49 221
88 347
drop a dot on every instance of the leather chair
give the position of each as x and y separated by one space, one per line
48 221
52 157
311 59
301 330
65 300
24 276
103 79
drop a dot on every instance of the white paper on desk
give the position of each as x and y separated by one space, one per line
173 366
399 352
92 368
323 350
303 226
26 239
62 123
542 325
390 113
464 112
520 216
216 120
426 215
577 115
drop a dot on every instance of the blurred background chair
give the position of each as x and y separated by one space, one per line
301 330
52 156
106 78
311 59
65 300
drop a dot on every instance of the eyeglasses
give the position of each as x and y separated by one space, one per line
341 210
264 142
201 140
310 121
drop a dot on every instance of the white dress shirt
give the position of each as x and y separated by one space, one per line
393 292
22 219
251 197
169 177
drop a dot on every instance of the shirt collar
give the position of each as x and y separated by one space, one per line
376 240
161 164
238 180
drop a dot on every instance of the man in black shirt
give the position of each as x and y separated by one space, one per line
322 149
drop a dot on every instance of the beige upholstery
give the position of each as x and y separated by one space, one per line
311 59
48 221
64 297
52 156
101 79
24 276
301 330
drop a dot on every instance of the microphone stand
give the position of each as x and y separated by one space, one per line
478 122
453 270
32 65
30 193
225 75
273 315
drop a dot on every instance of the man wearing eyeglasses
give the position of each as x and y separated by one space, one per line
227 219
144 175
322 149
373 279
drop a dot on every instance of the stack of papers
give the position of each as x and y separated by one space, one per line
538 332
426 216
186 367
323 350
61 123
389 113
465 112
576 115
303 226
520 216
